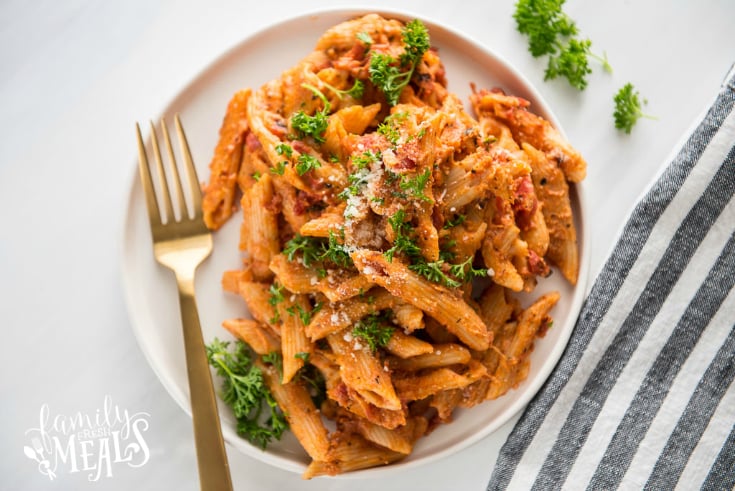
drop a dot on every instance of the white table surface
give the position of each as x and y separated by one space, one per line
77 74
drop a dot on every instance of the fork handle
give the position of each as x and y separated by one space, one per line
214 471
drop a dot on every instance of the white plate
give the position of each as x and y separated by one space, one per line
150 289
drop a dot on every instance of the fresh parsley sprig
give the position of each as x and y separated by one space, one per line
434 271
465 271
391 76
244 390
304 314
317 249
402 242
305 163
416 185
316 124
336 252
356 91
276 297
375 329
552 33
628 108
309 247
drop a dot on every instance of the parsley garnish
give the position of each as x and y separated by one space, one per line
416 41
462 272
304 355
374 329
552 32
402 243
316 249
628 108
457 220
357 180
437 271
416 185
315 125
307 246
284 149
365 38
304 315
358 88
354 182
432 271
275 359
280 168
244 390
368 157
336 252
389 131
276 297
387 74
306 163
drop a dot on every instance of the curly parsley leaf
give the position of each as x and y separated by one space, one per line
628 108
387 73
336 252
317 249
466 271
244 390
439 271
356 91
552 33
365 38
434 271
284 149
304 245
402 242
571 63
417 185
416 42
455 222
305 163
315 125
374 329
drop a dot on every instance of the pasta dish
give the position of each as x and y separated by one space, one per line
386 234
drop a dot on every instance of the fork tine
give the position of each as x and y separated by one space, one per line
194 186
145 176
183 210
162 175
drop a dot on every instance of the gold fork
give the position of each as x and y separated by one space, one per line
181 244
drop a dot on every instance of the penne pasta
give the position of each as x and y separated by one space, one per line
553 192
404 346
218 202
433 299
337 316
441 355
262 340
385 231
415 387
296 347
259 229
303 417
363 372
350 453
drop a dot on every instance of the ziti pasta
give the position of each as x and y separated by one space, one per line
385 233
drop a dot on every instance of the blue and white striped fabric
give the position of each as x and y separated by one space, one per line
643 397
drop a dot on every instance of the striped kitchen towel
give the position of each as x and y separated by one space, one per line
643 397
